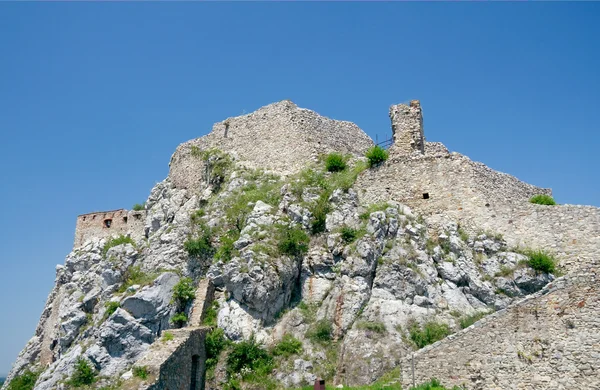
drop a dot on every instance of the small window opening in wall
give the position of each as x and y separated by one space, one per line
137 216
93 217
426 195
107 223
226 129
194 378
125 219
84 218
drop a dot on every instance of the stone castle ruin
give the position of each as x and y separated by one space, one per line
542 324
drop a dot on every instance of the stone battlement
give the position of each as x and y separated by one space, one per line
101 224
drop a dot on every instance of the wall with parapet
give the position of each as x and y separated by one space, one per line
280 137
550 340
103 224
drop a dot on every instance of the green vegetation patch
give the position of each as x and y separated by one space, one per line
288 346
320 332
117 241
292 241
83 375
111 307
201 245
179 319
542 199
469 320
140 372
139 206
25 381
248 357
429 333
335 162
376 155
134 275
373 326
184 291
541 261
373 208
167 336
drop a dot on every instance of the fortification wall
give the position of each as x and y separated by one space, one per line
480 198
550 340
178 364
103 224
280 137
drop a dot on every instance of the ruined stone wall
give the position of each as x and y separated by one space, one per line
109 223
407 128
480 198
172 362
550 340
280 137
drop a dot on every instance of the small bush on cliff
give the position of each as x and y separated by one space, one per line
292 241
373 326
84 374
541 261
111 307
349 234
288 346
214 343
320 332
135 275
376 155
139 207
200 246
542 199
248 357
179 319
469 320
428 334
184 291
335 162
112 242
167 336
140 372
25 381
319 211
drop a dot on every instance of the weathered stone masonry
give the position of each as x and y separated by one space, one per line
550 340
103 224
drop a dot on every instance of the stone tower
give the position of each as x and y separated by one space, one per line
407 128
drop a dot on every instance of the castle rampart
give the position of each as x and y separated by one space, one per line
280 137
103 224
549 340
407 128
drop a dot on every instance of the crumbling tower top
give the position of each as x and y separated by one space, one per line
407 128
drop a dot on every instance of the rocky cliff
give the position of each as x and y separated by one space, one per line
340 274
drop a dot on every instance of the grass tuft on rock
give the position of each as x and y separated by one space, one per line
429 333
376 155
335 162
542 199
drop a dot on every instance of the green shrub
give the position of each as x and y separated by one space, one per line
320 332
335 162
200 246
139 207
428 334
226 250
214 343
240 204
134 275
184 291
373 326
288 346
308 311
210 316
140 372
319 211
469 320
25 381
179 319
248 356
292 241
373 208
376 155
167 336
348 234
542 199
433 384
117 241
541 261
83 375
111 307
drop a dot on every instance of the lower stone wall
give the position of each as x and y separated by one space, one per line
178 364
548 341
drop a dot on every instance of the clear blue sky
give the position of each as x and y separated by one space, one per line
94 98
